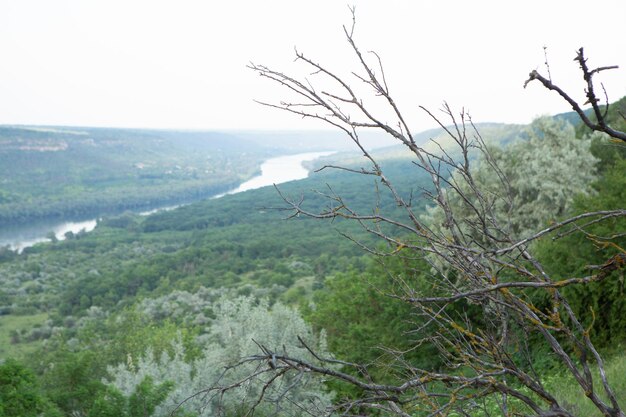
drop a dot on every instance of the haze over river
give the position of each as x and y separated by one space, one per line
273 171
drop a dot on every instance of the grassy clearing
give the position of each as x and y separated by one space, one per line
572 397
567 392
11 323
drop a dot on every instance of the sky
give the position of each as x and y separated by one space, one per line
182 64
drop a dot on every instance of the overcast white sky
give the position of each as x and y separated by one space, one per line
182 64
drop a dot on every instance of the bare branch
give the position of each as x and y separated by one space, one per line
475 260
600 125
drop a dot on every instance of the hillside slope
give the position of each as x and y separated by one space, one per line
50 172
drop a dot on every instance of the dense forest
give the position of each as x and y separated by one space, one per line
140 316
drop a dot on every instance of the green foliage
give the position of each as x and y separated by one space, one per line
357 308
364 323
237 323
569 393
109 402
20 394
542 176
368 319
601 305
614 118
72 382
14 334
607 151
72 370
231 242
147 397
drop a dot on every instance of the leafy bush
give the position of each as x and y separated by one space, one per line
238 323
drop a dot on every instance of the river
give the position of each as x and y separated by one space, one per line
273 171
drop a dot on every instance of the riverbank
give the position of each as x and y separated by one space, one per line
275 170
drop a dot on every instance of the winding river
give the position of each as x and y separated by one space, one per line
273 171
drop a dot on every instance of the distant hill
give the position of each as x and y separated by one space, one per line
492 133
572 117
59 171
615 118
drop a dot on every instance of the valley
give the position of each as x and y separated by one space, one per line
312 209
273 171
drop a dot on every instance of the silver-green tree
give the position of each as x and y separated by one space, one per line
236 385
528 185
